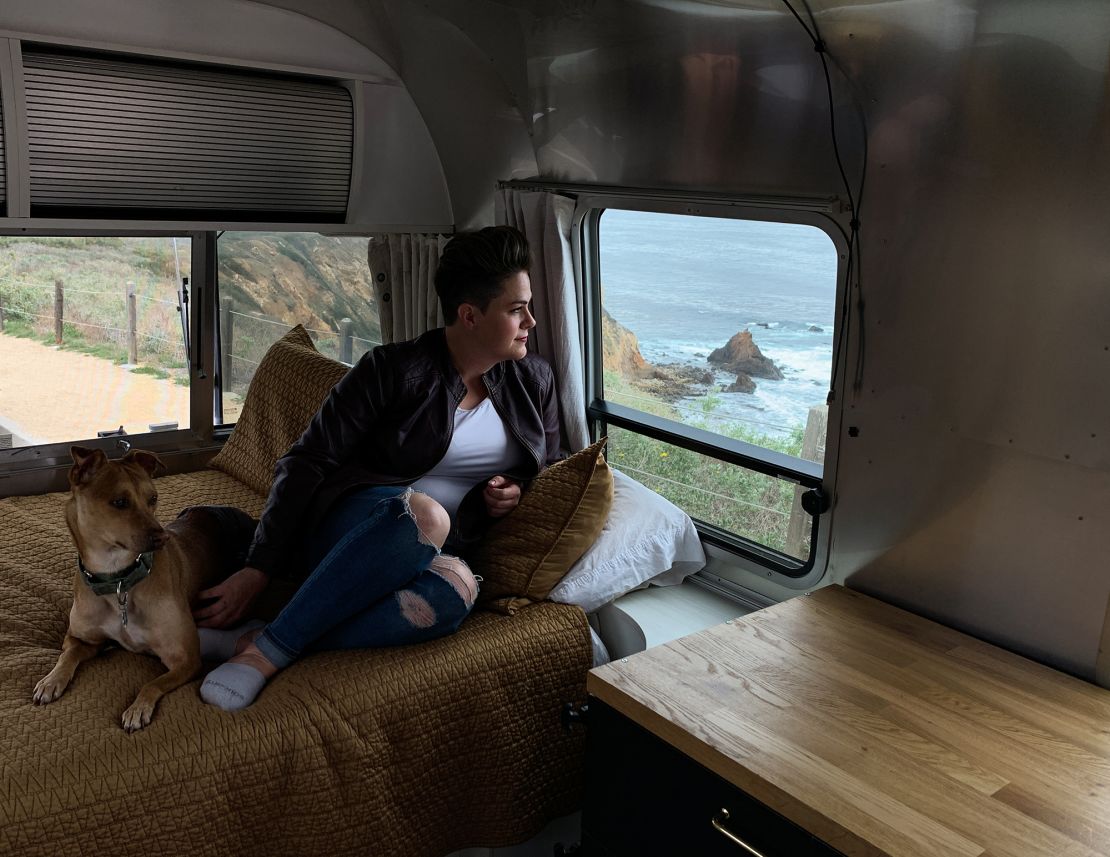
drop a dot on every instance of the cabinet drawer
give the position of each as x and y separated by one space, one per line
646 799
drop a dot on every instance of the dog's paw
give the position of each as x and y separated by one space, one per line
48 689
137 715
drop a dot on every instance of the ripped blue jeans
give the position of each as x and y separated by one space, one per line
376 581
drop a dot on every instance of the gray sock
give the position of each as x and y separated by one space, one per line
218 644
232 686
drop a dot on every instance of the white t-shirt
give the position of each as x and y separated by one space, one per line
481 447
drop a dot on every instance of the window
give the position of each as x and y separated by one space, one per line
271 281
92 338
717 338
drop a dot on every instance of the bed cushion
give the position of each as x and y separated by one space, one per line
526 553
288 388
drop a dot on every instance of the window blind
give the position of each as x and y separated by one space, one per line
110 133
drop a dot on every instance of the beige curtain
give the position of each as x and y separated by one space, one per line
546 219
403 268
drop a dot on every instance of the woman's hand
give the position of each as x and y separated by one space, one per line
502 495
233 598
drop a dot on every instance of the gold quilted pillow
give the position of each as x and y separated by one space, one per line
526 553
288 388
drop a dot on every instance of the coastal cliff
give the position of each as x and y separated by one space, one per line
667 381
621 350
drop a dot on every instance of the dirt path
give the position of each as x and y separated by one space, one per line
49 395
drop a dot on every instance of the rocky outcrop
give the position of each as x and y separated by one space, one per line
673 381
621 350
742 384
742 356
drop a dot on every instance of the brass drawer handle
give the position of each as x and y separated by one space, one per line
718 822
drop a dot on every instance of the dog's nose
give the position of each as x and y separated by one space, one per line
158 538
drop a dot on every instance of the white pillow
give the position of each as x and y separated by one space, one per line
646 538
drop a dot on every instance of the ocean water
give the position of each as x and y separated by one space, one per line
684 285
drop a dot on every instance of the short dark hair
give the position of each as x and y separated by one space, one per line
474 266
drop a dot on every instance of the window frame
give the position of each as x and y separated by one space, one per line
825 213
22 468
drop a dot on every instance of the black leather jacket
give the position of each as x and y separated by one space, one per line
389 421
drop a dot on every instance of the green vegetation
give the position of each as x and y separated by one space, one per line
20 328
72 341
151 370
103 350
738 500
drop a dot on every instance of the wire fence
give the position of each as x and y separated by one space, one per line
130 324
646 475
133 324
246 336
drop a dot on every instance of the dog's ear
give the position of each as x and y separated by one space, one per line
148 461
86 463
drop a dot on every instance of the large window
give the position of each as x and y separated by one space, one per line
94 331
92 338
717 338
271 281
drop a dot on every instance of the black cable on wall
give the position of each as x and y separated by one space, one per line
853 268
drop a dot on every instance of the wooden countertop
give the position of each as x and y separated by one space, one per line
880 732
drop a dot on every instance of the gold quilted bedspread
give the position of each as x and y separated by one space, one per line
417 750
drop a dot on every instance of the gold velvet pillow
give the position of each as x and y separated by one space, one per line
561 514
288 388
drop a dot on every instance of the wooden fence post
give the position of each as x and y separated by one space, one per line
813 449
345 345
132 325
227 340
59 303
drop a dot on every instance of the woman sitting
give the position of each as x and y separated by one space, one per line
419 447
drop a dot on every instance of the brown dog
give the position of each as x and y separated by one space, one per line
121 592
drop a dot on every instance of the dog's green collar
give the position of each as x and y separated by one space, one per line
117 582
